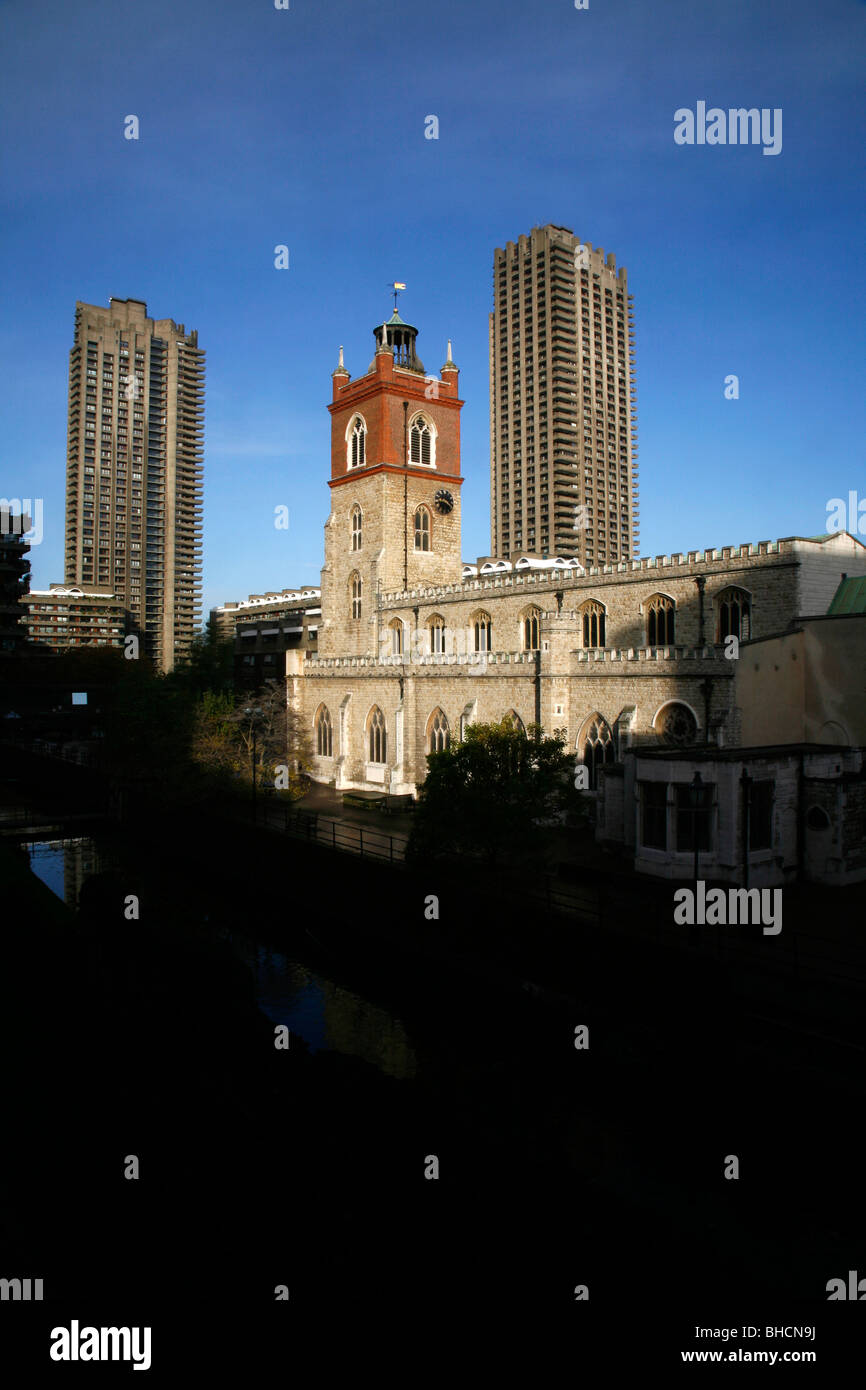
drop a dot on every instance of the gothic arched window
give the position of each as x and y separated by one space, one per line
357 439
438 732
482 631
356 586
422 529
513 718
733 615
593 615
420 441
376 735
531 628
436 628
595 746
356 527
324 733
396 629
660 612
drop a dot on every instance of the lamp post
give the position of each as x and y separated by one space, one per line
254 715
696 796
746 783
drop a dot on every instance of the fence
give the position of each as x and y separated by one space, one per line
646 915
314 828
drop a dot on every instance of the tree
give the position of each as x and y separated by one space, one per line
266 726
494 794
208 665
215 747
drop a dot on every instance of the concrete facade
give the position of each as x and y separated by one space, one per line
134 469
76 615
562 405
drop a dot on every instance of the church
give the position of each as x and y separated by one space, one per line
414 644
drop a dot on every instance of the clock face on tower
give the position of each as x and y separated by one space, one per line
444 501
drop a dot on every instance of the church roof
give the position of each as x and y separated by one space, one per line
850 597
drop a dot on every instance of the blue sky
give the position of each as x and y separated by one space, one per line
305 127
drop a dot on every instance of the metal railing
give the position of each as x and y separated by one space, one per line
315 828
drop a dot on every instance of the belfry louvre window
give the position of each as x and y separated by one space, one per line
324 734
356 444
376 735
660 621
420 442
422 529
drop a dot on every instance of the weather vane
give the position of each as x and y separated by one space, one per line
395 287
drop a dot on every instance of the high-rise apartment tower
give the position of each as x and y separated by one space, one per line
134 469
563 470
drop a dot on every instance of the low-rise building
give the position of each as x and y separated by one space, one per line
75 615
14 582
788 802
265 626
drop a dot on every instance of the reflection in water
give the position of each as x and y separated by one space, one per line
63 865
326 1015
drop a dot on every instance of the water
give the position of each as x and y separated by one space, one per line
63 865
327 1015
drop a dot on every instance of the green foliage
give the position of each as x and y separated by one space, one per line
209 666
495 795
147 723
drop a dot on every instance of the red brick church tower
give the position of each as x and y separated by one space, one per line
395 487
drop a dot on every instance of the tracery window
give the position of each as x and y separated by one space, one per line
733 615
438 732
324 733
593 616
357 442
376 735
531 625
482 629
436 628
676 725
596 747
420 442
422 529
660 615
